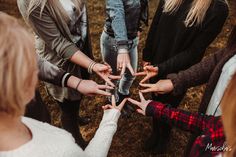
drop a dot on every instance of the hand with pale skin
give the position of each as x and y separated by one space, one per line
104 71
88 87
161 87
142 104
113 104
123 62
149 72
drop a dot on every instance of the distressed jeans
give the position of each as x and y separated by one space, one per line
109 54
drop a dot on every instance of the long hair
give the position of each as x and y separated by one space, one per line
196 13
33 4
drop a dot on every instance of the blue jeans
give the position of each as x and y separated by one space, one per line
109 54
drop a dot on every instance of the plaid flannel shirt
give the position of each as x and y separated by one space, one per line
211 140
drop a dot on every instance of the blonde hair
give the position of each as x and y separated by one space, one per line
228 105
33 4
17 65
196 13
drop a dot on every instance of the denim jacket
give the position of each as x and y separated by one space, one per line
123 19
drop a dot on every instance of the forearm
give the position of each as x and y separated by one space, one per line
100 144
196 75
81 59
187 121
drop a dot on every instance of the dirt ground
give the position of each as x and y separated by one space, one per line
131 132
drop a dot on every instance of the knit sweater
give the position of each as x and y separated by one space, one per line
172 46
207 71
49 141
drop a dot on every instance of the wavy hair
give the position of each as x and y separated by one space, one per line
196 13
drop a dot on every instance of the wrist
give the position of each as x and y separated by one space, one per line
150 109
123 51
78 84
91 67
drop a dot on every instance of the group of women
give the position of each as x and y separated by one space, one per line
180 32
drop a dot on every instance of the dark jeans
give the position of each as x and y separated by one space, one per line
36 109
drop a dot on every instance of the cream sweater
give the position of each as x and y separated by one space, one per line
49 141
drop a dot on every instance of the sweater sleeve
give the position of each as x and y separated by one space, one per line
184 120
46 28
196 50
50 73
147 53
196 75
100 144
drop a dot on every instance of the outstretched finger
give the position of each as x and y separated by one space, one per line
140 111
122 104
145 85
148 90
130 69
141 96
123 70
101 92
105 87
143 73
113 101
145 79
134 102
114 77
108 81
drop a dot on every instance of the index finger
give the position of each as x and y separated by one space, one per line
122 104
113 100
123 70
145 79
143 73
141 96
101 92
130 68
114 77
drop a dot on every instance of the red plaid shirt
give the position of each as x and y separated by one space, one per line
211 140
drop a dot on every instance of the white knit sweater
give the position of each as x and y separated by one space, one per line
49 141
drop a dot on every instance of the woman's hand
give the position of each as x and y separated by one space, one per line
113 104
142 105
149 72
91 88
161 87
104 71
123 62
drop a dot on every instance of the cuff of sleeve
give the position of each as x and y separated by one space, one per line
123 44
65 79
111 115
174 80
70 51
150 109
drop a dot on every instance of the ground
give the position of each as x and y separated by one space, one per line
131 132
